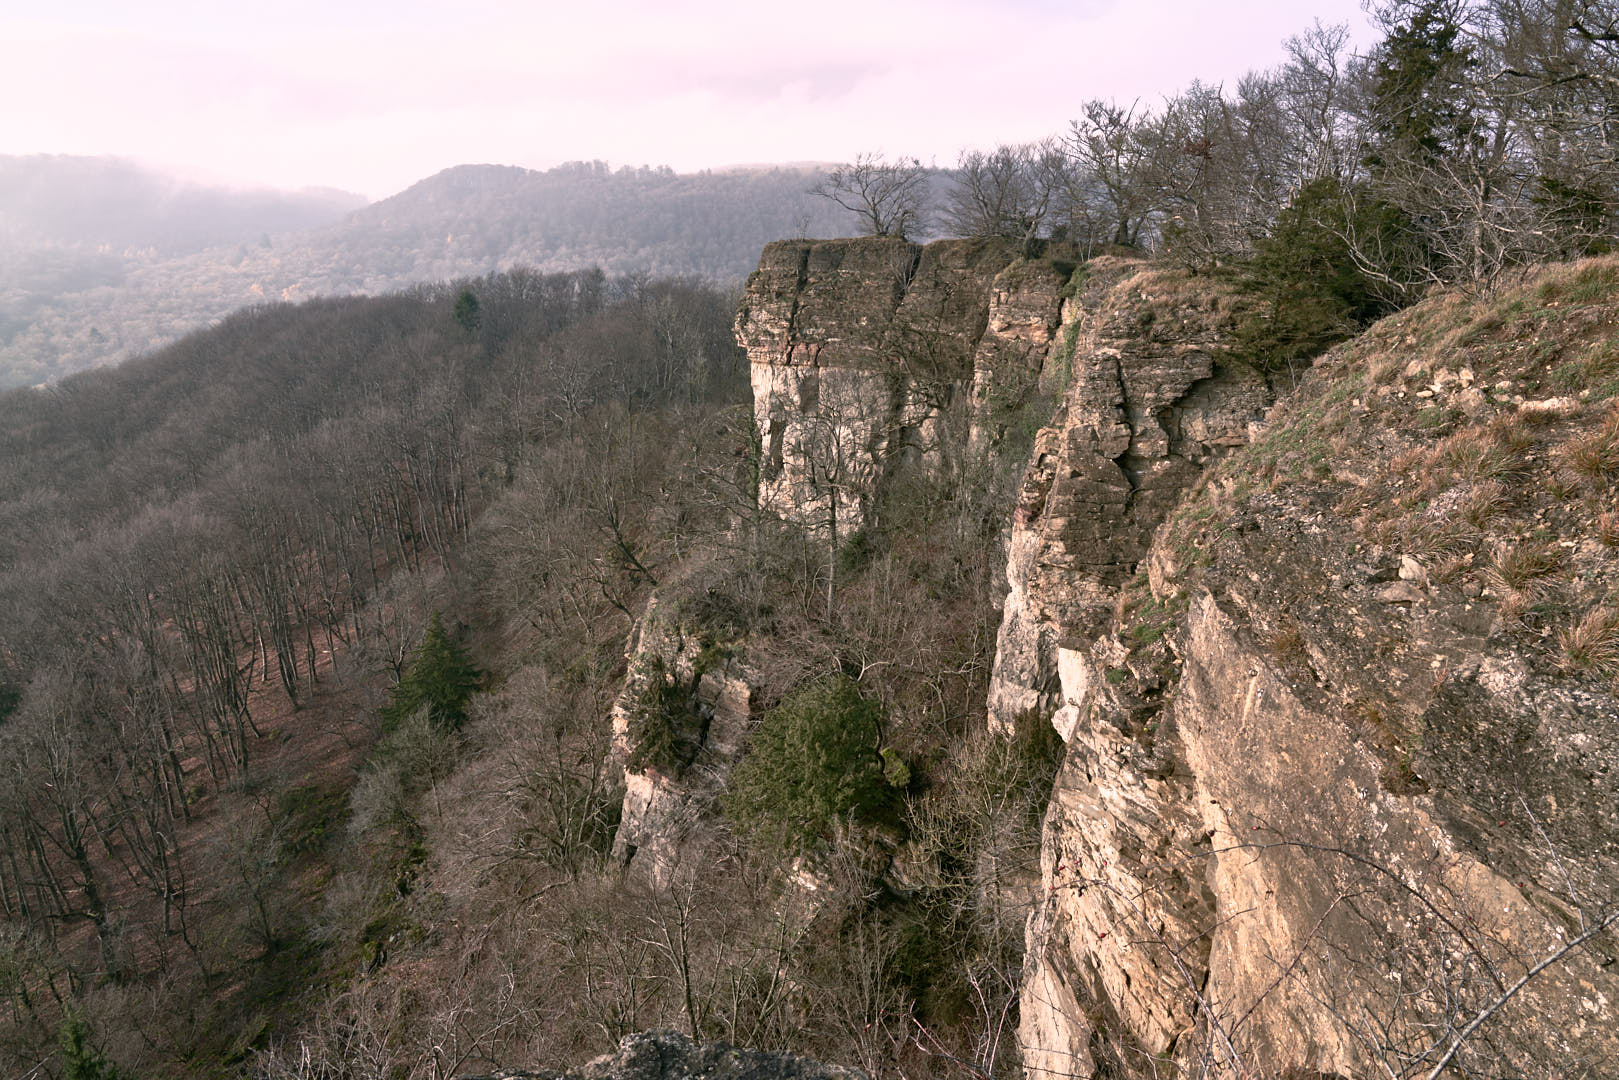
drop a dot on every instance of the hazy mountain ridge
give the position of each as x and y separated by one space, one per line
76 298
113 205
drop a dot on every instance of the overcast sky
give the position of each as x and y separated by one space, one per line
372 95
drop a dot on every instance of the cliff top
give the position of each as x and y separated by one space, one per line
1437 519
880 302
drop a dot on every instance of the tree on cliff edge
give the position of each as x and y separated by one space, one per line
889 197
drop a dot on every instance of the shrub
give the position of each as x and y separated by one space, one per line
1309 290
668 725
813 761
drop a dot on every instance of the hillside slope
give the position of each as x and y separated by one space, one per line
102 285
1019 659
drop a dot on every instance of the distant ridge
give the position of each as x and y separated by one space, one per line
96 263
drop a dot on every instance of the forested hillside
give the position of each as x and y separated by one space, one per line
99 263
1168 629
217 558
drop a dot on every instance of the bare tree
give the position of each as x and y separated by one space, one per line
889 197
1119 161
1314 84
1011 191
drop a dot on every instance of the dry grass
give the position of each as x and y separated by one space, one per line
1607 528
1514 609
1384 369
1410 458
1173 287
1450 567
1484 502
1490 455
1562 485
1513 432
1433 538
1592 644
1473 453
1594 455
1589 281
1518 566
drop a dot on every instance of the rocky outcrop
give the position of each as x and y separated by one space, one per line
678 726
1334 676
868 357
1028 302
865 353
669 1055
1153 396
1337 801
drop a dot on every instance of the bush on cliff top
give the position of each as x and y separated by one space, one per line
1309 292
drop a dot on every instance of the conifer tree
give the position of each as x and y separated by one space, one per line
468 313
80 1060
814 761
442 677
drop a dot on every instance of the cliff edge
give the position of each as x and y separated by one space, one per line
1340 794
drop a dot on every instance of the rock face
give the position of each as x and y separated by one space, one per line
865 354
869 357
669 1055
668 801
1341 787
1153 397
1331 794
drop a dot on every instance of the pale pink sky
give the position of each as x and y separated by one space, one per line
371 95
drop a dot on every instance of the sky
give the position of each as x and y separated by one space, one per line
371 96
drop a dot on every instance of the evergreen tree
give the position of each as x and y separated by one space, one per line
1418 72
442 677
80 1060
468 314
1310 291
814 760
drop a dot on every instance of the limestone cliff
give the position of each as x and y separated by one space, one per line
1153 397
873 355
1334 674
677 728
1339 796
869 357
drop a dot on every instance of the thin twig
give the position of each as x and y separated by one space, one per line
1495 1006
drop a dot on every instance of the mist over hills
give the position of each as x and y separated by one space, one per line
113 205
101 260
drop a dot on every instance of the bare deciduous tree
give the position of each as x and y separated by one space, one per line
889 197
